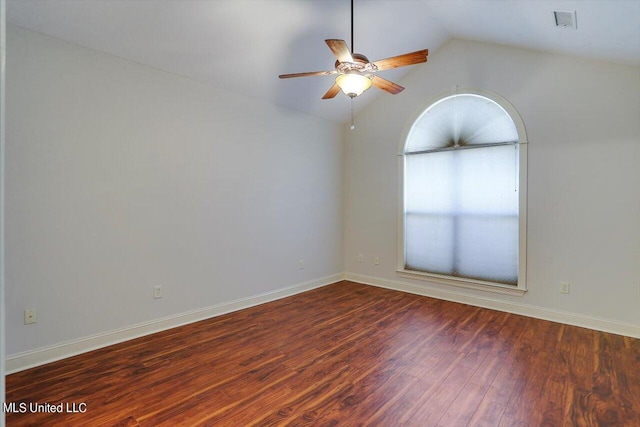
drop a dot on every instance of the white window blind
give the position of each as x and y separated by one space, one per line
461 196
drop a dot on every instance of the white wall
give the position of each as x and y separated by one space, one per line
121 177
582 120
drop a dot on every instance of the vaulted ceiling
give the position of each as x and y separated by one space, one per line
243 45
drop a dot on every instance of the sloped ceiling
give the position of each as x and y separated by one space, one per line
243 45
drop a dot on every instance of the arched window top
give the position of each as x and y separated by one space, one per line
459 121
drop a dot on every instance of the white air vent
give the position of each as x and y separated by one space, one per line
565 18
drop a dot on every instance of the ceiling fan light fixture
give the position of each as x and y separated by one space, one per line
353 84
356 74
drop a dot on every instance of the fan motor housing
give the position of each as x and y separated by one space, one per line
361 64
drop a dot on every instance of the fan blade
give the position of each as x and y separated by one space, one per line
386 85
402 60
340 50
310 73
331 93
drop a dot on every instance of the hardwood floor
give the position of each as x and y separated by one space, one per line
347 354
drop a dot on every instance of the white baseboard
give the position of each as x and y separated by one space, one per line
599 324
41 356
29 359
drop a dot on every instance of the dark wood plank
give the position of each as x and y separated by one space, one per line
347 354
488 414
612 391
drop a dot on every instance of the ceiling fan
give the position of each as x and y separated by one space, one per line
356 74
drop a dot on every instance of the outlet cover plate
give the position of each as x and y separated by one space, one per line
30 316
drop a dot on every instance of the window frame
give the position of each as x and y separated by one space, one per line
468 283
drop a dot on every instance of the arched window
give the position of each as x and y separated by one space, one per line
464 201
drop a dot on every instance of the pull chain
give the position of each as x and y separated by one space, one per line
353 120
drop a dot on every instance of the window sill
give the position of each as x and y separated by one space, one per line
480 285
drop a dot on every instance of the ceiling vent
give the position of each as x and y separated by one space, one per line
565 18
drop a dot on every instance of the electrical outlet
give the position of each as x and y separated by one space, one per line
565 287
157 292
376 260
30 316
360 258
301 264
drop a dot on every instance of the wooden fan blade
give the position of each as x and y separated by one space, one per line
310 73
340 50
331 93
402 60
386 85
